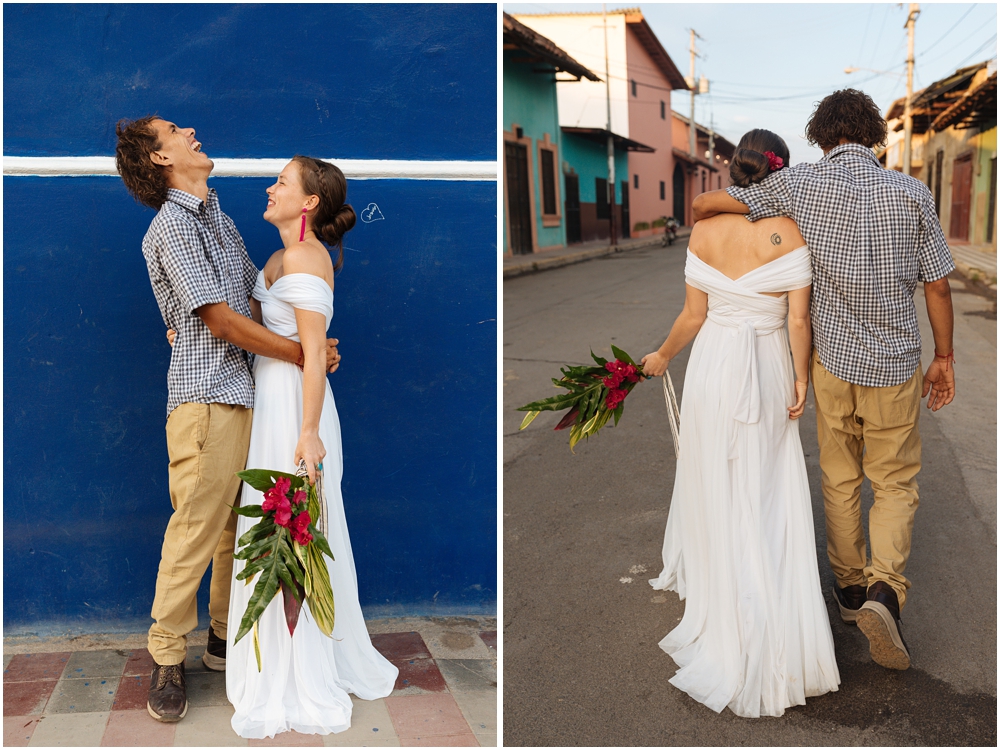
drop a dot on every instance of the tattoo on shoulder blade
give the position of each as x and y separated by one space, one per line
775 239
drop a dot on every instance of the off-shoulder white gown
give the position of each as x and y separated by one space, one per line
306 678
740 547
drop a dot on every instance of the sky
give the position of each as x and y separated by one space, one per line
769 64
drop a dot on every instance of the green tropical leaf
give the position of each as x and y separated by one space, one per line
618 412
256 645
263 479
321 602
288 583
599 360
250 511
528 419
320 541
553 403
263 593
588 428
255 549
619 354
257 531
251 569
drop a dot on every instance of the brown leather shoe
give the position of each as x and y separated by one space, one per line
878 619
215 652
167 699
850 599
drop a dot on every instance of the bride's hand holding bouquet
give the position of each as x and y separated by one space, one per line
654 364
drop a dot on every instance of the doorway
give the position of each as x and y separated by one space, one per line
679 193
518 200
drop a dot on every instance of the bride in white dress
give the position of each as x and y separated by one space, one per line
305 678
740 545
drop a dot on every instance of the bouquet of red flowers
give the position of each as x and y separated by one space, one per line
595 394
286 548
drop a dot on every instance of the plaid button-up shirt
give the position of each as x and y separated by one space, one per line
873 234
196 257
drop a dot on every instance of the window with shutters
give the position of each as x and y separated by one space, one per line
548 182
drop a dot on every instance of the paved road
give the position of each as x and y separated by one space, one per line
583 533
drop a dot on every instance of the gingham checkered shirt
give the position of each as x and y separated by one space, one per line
196 257
873 234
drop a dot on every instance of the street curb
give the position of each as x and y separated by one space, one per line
973 273
571 258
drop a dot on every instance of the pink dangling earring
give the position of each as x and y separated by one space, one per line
302 233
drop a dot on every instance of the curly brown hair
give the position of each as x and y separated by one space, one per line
143 179
847 114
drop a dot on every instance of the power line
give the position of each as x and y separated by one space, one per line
940 38
865 36
941 57
985 44
879 35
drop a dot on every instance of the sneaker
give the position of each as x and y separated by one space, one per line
215 652
878 619
850 599
167 699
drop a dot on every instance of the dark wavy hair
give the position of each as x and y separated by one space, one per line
847 114
749 165
143 179
334 217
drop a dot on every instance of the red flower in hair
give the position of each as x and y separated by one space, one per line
774 162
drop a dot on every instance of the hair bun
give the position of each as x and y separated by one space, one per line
748 166
343 221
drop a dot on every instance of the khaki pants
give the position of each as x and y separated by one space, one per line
867 431
207 444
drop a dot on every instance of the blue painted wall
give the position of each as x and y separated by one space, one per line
85 358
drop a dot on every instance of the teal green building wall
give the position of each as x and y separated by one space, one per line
529 99
589 160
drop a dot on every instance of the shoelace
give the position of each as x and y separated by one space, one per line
170 673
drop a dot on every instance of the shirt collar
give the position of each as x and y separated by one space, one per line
192 202
850 150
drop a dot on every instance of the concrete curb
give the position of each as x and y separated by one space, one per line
566 259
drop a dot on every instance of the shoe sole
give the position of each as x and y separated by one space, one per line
885 645
849 616
215 663
166 719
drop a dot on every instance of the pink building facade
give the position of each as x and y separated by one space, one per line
652 78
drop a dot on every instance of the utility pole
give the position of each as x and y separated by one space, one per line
911 21
611 138
693 84
711 141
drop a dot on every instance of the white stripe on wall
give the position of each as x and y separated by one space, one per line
355 169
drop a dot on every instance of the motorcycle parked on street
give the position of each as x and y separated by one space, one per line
670 226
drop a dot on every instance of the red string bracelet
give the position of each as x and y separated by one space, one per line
949 357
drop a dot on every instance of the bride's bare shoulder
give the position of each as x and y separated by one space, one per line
781 232
708 235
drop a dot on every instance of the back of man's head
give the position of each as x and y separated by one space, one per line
847 115
137 139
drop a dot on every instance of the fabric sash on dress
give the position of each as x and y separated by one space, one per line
740 304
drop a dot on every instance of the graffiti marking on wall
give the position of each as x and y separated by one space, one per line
371 213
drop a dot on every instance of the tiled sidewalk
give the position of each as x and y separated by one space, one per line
446 694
